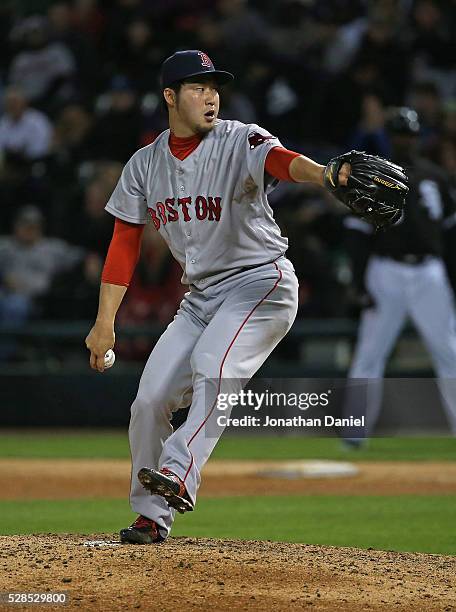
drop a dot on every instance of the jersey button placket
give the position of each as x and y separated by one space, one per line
182 188
186 224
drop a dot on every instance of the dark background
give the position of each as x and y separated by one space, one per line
319 75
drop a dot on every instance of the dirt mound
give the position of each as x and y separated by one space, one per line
78 478
218 575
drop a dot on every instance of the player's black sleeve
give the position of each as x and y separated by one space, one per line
357 242
449 232
358 246
449 255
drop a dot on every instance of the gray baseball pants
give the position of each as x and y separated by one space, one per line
218 339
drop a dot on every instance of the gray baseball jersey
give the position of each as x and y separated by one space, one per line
211 208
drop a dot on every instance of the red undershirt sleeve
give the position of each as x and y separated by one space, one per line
123 253
278 162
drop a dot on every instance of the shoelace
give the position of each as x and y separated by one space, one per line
142 522
182 489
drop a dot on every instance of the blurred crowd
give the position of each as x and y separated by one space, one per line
79 94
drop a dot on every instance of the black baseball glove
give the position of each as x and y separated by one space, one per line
376 188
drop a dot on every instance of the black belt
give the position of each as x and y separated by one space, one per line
410 258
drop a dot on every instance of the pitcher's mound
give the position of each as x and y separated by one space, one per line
99 574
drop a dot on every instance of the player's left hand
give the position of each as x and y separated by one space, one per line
344 173
374 188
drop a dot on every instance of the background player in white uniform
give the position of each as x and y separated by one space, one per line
406 277
211 208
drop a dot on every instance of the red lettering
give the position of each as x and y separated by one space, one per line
205 208
215 208
201 208
172 213
183 203
161 212
154 217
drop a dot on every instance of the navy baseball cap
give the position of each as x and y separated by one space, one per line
185 64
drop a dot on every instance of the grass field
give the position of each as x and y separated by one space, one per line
114 445
423 523
402 523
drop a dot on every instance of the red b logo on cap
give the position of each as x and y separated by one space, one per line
205 60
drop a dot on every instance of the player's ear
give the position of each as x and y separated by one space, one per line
169 96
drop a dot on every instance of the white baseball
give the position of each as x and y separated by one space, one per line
109 359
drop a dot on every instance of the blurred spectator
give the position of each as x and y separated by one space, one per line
121 14
25 133
94 228
370 134
426 99
7 19
243 30
72 141
28 263
383 47
433 42
89 19
316 74
447 158
61 15
447 144
25 140
236 105
273 94
342 12
72 148
241 26
449 119
74 295
368 24
342 49
341 103
117 132
90 226
291 18
209 36
42 68
139 57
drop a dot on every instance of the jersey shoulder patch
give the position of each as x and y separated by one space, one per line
256 139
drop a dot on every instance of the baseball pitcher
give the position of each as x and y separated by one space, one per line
203 186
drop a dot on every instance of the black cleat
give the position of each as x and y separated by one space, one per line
142 531
168 485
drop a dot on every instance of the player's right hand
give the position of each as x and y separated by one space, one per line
101 338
